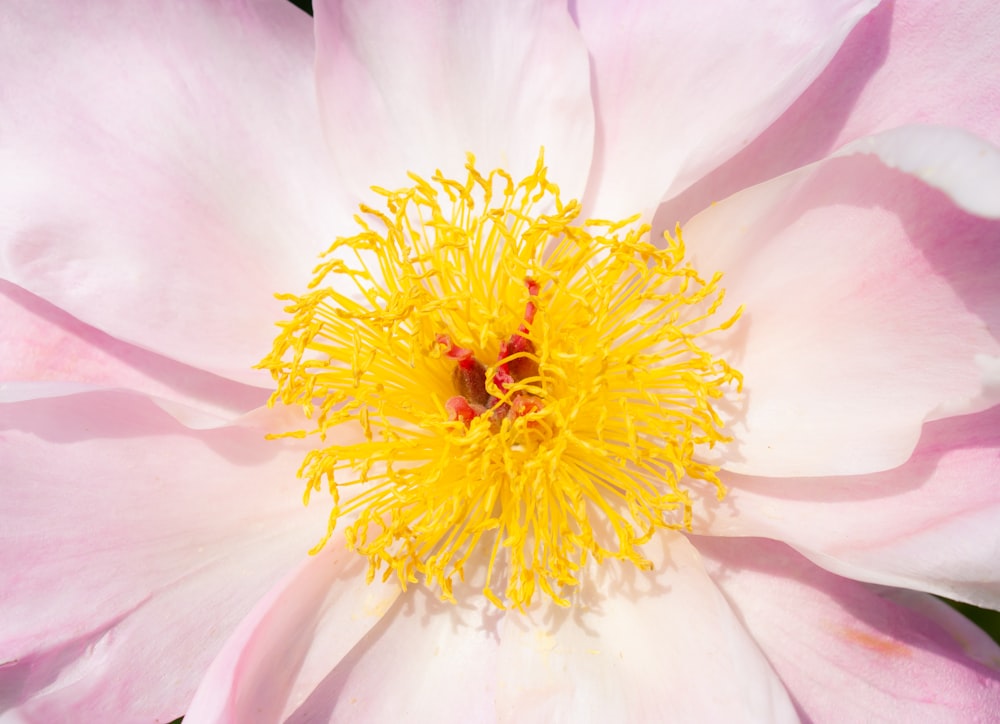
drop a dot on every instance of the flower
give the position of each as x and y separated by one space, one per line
168 167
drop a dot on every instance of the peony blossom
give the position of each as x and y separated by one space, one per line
772 434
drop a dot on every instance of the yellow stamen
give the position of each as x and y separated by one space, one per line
589 425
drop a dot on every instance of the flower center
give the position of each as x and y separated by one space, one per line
530 389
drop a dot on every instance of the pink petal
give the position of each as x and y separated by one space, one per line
130 548
425 661
952 50
871 305
680 87
973 641
948 159
46 352
291 639
932 524
657 647
414 86
163 170
907 62
845 653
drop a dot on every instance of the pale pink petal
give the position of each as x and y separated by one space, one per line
426 661
663 646
163 170
131 546
932 524
45 352
845 653
973 640
293 637
680 87
941 66
871 305
964 166
907 62
414 86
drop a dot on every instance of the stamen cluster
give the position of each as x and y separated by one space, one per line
529 389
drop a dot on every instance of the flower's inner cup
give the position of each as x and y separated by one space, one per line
492 379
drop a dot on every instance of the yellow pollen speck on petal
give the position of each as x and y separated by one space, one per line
492 379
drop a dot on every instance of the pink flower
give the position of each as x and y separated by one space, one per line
166 167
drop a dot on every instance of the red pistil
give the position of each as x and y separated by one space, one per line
469 376
465 357
522 367
459 409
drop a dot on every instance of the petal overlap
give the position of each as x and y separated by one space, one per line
927 524
400 90
606 659
890 658
46 352
164 174
870 308
680 87
118 522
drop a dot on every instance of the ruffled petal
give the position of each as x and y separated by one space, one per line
415 86
680 87
948 159
292 639
932 524
45 352
871 305
129 539
907 62
163 170
663 646
845 653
